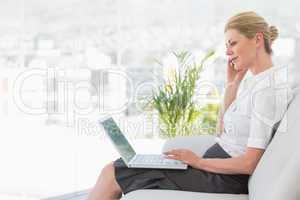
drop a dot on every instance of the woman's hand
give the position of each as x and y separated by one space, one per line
185 156
233 75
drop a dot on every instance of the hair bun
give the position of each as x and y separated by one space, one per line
273 33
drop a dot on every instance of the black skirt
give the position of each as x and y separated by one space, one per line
192 179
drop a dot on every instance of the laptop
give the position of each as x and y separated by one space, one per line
129 156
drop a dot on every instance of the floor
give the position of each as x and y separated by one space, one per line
80 195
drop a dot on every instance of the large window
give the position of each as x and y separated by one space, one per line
64 64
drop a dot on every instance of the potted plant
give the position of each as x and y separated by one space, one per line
173 100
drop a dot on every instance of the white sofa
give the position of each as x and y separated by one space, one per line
277 176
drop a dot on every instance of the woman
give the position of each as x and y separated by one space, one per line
246 122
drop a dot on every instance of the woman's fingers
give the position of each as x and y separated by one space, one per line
231 72
174 157
183 155
176 153
234 75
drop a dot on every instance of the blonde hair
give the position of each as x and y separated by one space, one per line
250 23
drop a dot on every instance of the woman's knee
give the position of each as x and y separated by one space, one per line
108 172
108 169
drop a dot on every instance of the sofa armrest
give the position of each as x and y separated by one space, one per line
197 144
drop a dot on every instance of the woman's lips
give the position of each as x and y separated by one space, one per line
234 58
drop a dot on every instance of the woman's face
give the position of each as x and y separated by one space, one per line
240 50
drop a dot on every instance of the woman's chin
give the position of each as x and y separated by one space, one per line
236 67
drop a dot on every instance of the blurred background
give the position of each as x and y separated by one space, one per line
64 64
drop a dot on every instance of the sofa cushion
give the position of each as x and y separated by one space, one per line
277 164
287 186
179 195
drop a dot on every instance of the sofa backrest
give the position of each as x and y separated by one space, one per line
277 175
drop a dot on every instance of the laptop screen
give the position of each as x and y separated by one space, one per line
118 139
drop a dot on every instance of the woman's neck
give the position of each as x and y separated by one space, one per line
262 63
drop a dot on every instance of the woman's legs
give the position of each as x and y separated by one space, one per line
106 187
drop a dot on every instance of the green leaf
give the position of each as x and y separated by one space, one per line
174 103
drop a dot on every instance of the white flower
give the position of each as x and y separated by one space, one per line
170 68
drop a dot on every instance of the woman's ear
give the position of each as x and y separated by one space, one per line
259 39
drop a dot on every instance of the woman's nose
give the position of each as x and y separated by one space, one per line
228 52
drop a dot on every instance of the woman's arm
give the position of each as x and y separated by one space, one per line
229 97
234 79
244 164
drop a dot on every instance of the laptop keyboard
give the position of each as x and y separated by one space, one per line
154 159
